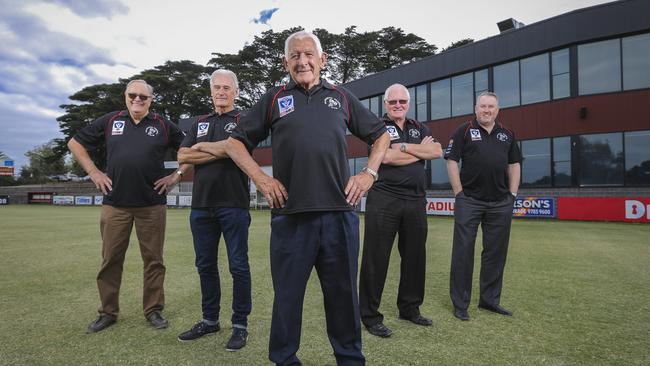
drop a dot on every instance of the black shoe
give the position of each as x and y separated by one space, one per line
237 339
461 314
102 322
199 330
418 319
157 321
379 330
495 309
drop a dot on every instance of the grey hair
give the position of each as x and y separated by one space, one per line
227 73
302 35
149 87
487 94
396 85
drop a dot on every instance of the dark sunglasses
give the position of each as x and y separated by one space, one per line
141 96
401 101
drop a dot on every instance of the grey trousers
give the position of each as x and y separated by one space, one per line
495 218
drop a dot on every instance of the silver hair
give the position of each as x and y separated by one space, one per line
397 85
149 87
487 94
302 35
227 73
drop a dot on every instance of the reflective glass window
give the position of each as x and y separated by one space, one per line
636 62
562 161
462 94
637 158
535 80
411 112
561 74
480 82
599 67
440 99
420 102
506 84
439 178
601 159
536 165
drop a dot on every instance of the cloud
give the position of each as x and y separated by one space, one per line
39 69
94 8
265 16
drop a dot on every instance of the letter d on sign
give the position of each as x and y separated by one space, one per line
634 209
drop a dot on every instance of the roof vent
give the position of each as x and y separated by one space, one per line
509 24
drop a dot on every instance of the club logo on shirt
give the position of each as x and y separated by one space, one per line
415 134
229 127
118 128
502 136
332 103
475 134
285 105
151 131
392 132
202 129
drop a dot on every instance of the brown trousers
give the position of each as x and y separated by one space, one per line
115 226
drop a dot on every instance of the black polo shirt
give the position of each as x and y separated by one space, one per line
219 183
134 155
485 158
406 181
309 141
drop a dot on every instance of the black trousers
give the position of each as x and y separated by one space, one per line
329 242
495 218
385 217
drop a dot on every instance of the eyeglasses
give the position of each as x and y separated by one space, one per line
142 97
401 101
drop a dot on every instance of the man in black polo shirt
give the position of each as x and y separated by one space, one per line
134 188
312 196
485 190
220 201
396 204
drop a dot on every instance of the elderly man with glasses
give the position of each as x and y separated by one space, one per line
134 187
396 205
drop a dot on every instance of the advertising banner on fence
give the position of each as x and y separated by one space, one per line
83 200
532 206
440 206
185 201
171 200
629 209
63 200
4 200
99 200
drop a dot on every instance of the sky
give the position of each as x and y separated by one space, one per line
50 49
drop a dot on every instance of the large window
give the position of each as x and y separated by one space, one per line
562 161
462 94
480 82
599 67
440 99
535 80
536 166
601 159
637 158
506 84
411 112
376 105
439 178
636 62
420 102
561 73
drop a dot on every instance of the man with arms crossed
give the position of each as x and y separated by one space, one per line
396 204
220 201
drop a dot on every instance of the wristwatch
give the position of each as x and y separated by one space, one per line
402 147
179 173
372 173
513 194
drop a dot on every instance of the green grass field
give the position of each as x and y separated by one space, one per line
579 291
